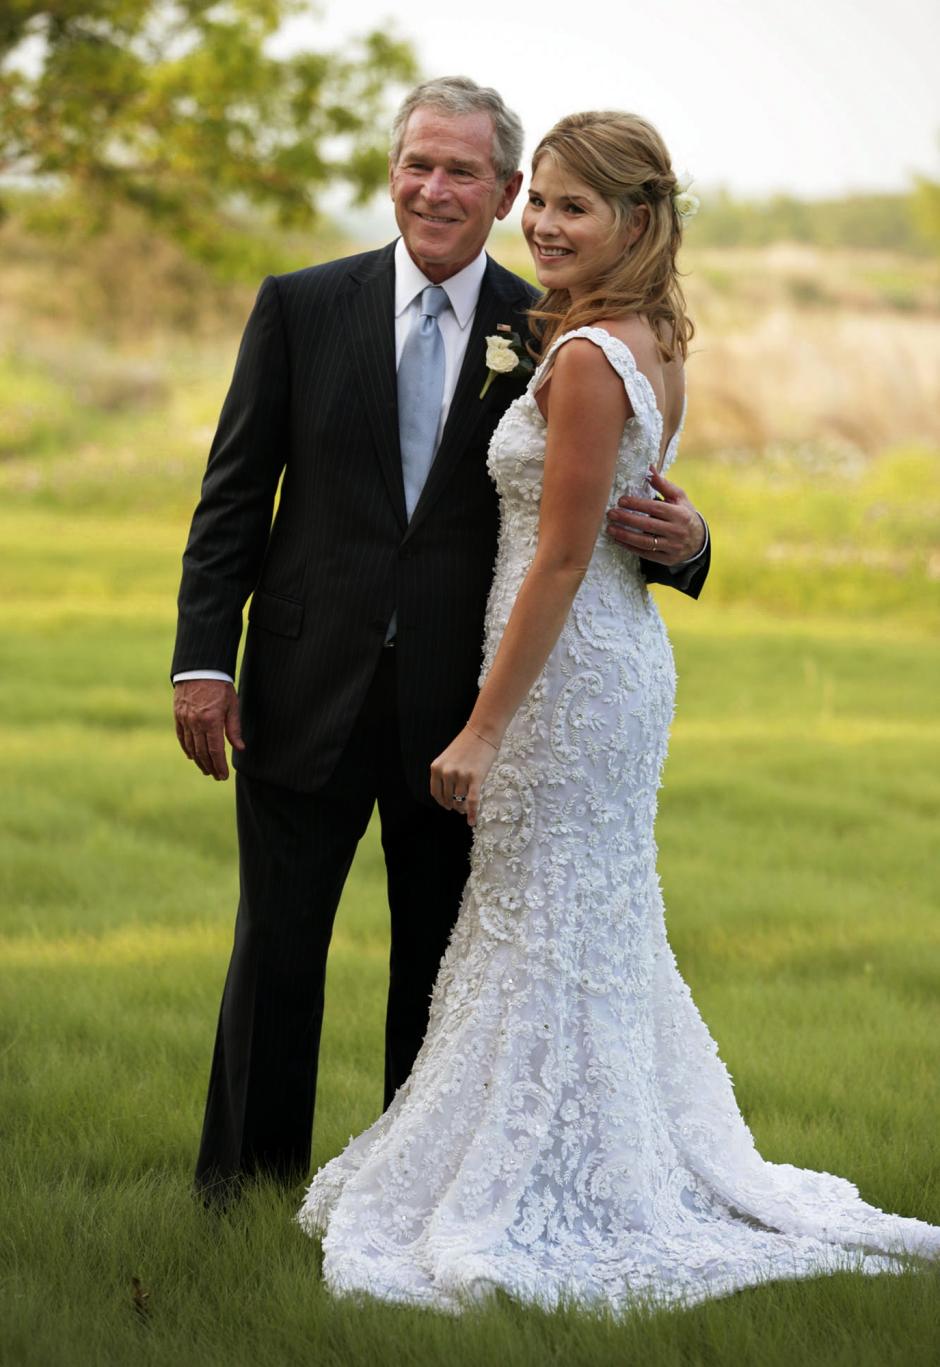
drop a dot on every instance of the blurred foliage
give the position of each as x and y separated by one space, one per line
925 210
893 222
181 110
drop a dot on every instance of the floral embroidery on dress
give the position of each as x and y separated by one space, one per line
569 1131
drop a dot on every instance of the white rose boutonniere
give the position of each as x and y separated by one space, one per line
500 355
505 353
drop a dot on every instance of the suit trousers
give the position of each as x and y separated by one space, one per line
295 851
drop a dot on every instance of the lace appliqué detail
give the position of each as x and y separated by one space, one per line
569 1131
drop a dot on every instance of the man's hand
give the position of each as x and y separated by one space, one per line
668 531
206 712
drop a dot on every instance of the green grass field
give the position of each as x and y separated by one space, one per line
798 839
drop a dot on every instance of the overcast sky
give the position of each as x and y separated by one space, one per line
815 97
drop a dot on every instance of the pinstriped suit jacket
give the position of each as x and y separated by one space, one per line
314 397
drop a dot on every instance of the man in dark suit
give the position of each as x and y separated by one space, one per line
367 600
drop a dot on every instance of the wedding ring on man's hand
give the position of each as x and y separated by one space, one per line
654 543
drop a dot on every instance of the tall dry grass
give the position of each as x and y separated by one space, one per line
797 345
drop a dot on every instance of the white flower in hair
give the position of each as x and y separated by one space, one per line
687 204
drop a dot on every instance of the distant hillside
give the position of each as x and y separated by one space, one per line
875 222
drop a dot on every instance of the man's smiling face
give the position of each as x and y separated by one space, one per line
446 191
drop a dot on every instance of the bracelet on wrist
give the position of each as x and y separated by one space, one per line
485 739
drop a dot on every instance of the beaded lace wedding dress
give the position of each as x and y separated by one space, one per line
568 1131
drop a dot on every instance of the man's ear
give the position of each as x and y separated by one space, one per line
391 176
510 190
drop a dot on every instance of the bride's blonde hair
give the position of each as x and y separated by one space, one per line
623 158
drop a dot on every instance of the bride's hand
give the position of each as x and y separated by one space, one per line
458 773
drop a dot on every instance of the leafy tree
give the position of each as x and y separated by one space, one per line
179 107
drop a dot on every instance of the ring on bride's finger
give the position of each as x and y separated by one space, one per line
459 799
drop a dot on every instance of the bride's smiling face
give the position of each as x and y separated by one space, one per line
571 230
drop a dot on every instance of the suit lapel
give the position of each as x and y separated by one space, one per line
501 301
370 322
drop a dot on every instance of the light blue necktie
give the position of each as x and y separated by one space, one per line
420 394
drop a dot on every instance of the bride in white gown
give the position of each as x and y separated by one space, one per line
568 1131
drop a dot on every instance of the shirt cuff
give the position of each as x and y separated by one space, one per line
203 674
684 564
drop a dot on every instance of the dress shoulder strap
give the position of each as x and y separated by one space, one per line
621 358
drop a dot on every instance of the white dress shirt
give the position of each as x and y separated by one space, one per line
462 290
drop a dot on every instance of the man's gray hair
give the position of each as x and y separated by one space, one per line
460 95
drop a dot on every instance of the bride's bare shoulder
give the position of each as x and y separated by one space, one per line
636 333
666 377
